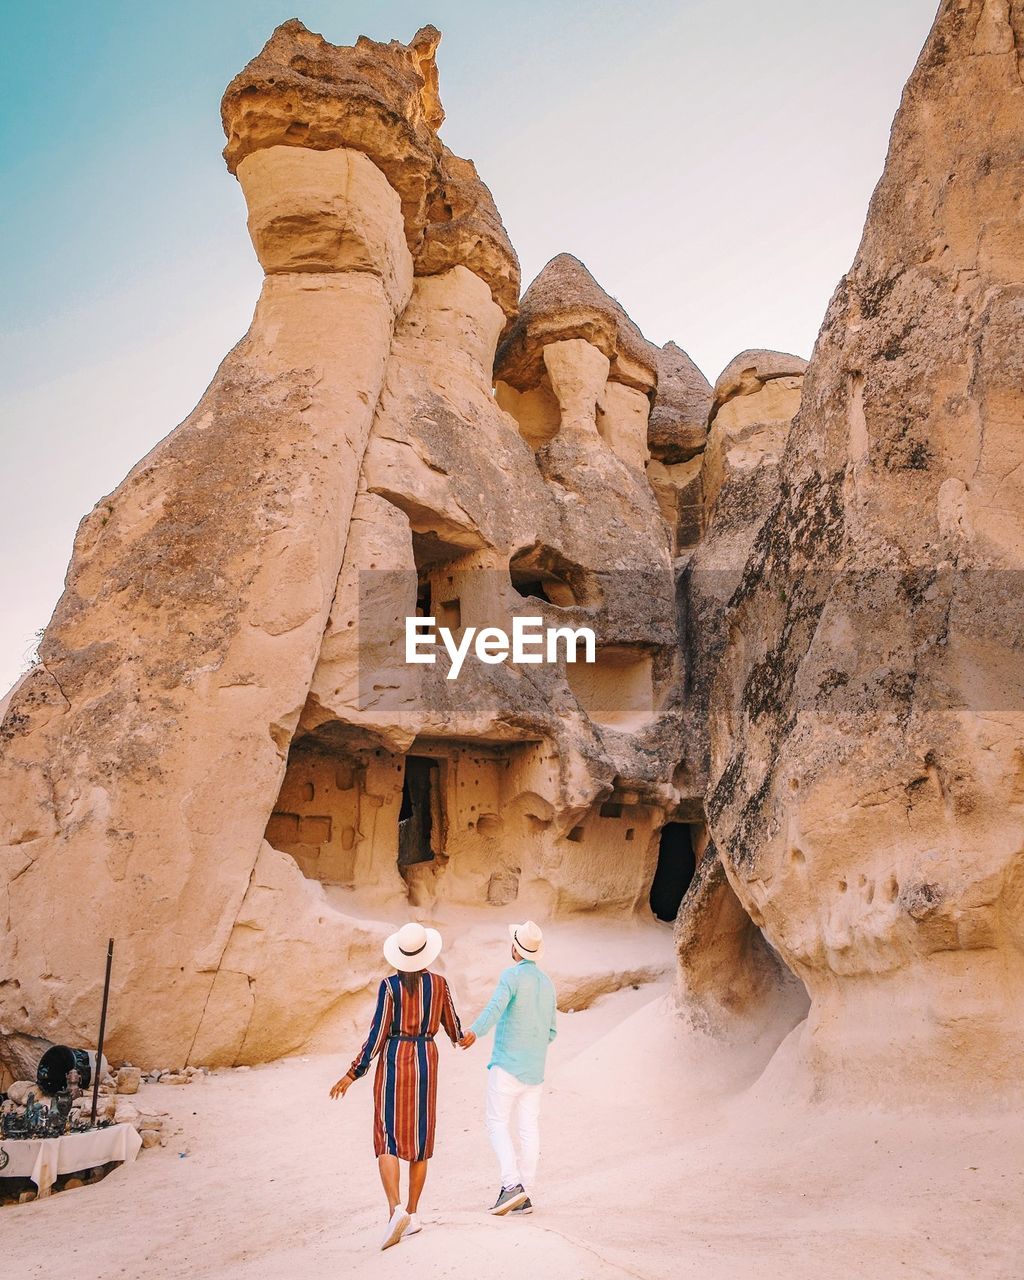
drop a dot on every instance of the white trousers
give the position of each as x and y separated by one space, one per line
508 1099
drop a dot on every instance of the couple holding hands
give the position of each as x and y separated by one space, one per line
412 1005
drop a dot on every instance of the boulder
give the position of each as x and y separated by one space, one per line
129 1079
678 423
126 1113
565 302
19 1091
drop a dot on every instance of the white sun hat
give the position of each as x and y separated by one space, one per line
527 939
412 948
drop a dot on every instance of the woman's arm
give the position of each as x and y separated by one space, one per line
449 1016
379 1027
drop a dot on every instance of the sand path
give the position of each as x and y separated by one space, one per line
650 1170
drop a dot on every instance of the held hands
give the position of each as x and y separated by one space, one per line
467 1041
341 1088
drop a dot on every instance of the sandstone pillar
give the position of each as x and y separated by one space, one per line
146 749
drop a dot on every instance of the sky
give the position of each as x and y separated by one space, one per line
711 163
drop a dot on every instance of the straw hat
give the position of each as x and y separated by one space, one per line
412 948
527 940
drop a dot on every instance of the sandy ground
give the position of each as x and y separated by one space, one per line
660 1161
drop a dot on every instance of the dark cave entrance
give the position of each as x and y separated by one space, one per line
541 573
420 811
677 862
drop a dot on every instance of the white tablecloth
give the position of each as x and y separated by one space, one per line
42 1159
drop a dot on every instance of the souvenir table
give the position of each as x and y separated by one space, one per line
42 1159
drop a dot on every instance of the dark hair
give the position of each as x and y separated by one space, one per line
410 981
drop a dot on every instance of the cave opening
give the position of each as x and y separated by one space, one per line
418 817
527 587
541 573
677 862
431 553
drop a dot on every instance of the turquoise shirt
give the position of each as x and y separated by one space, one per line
523 1006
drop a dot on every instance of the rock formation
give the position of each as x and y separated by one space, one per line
677 434
731 979
223 749
866 792
803 585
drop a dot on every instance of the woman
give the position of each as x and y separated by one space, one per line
411 1006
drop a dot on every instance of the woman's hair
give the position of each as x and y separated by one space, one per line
410 981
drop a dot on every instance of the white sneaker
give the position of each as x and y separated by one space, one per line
396 1227
415 1226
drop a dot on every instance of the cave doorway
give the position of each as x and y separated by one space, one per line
677 862
419 816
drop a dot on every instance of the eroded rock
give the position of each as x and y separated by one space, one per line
381 100
223 734
678 425
867 725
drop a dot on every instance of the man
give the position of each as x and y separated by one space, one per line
523 1006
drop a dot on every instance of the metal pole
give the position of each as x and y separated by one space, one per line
98 1071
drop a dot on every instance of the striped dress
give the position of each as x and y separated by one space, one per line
405 1086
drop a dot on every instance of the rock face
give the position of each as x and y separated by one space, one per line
803 584
731 980
676 436
867 723
223 742
679 419
382 101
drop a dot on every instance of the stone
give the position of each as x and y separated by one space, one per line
19 1091
740 483
380 100
175 1077
866 721
325 212
566 302
128 1079
151 1138
756 398
751 372
105 1106
20 1054
678 423
125 1112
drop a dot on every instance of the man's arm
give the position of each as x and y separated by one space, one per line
554 1014
495 1007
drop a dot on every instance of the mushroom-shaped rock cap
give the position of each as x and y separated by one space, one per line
747 373
678 423
565 301
381 99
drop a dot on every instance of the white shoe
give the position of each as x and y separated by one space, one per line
396 1227
415 1226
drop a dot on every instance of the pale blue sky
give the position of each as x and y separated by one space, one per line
711 163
